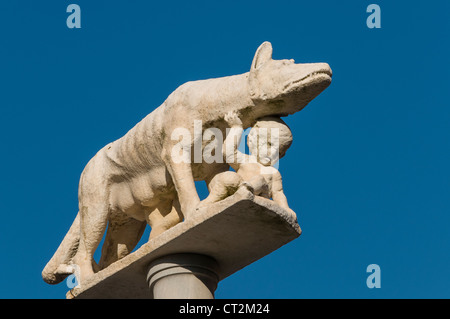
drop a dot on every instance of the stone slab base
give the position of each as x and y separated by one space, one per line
235 232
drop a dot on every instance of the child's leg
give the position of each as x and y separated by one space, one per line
221 186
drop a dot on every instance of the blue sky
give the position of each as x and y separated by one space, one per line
368 172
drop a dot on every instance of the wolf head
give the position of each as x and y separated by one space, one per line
282 87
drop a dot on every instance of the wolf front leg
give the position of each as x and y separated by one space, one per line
180 169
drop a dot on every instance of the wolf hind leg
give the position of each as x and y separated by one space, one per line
122 236
93 222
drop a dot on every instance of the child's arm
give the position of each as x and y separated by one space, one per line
230 147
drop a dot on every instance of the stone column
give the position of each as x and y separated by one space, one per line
183 276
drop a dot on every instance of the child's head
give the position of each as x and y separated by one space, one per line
269 140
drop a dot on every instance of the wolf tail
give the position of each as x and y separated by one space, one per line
58 268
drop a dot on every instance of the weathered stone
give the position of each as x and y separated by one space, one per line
148 177
234 232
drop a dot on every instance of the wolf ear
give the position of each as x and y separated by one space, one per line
262 55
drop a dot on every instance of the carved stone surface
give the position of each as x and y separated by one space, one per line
148 175
235 232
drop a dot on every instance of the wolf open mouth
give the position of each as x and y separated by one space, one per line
326 74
